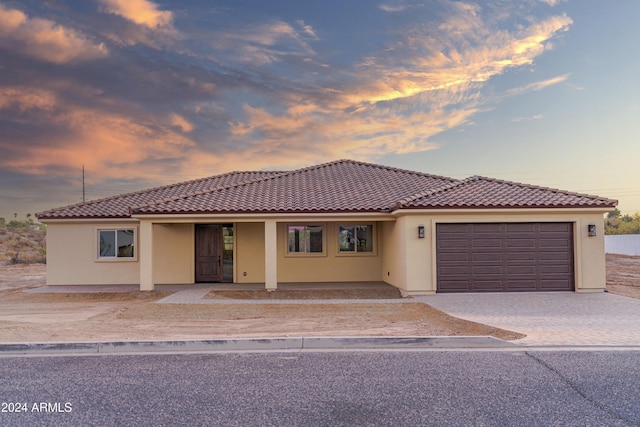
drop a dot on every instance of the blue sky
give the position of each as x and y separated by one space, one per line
145 93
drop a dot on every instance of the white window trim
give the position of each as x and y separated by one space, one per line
374 235
306 254
96 245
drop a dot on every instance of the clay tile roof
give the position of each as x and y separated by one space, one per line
119 206
339 186
480 192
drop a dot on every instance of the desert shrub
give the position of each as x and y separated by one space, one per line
20 245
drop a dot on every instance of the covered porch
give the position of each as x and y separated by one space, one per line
264 253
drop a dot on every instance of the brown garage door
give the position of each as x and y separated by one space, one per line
504 257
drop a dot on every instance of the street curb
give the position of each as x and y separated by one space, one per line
313 343
254 344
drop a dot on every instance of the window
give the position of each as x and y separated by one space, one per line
355 238
117 243
227 253
305 239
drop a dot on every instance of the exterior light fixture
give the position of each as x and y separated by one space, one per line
421 232
591 230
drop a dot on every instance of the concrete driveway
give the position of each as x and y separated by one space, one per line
554 318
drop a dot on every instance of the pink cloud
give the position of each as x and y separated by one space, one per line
141 12
109 143
45 39
26 98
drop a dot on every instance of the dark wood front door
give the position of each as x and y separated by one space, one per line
208 253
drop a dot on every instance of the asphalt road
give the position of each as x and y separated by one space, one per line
448 388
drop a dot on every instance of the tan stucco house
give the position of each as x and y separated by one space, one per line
343 221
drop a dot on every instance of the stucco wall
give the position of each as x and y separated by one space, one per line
415 264
173 254
400 258
249 252
420 270
331 267
591 273
393 254
72 256
626 244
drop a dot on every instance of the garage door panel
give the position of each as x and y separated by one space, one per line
527 270
487 257
454 228
560 269
521 243
555 284
556 256
504 257
487 269
491 228
486 243
486 285
520 285
520 256
456 285
520 227
555 227
453 244
554 243
453 271
454 256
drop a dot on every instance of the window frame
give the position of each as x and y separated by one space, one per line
374 238
116 258
323 253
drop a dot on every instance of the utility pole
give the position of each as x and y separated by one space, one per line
83 195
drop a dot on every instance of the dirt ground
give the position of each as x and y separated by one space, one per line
68 317
623 275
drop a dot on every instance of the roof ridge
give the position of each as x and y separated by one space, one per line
147 190
537 187
211 190
226 187
475 178
402 202
395 169
372 165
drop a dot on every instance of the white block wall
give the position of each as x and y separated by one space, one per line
624 244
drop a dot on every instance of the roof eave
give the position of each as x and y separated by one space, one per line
501 209
76 218
278 216
262 212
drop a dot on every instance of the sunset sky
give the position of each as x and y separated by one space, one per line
146 93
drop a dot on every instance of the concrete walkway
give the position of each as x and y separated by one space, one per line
554 318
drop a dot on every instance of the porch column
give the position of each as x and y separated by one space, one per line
145 255
270 255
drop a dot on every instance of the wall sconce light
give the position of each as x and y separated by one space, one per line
421 232
591 230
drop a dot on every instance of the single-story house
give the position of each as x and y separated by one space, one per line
343 221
